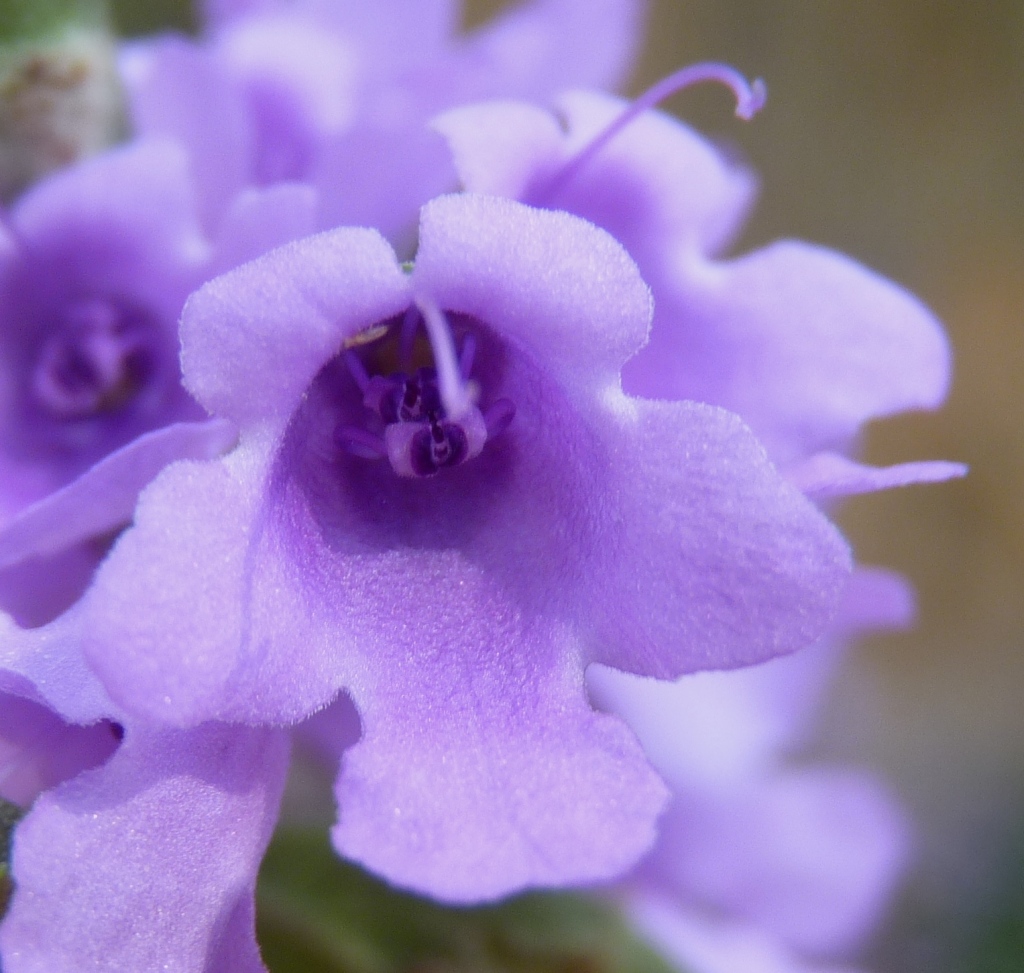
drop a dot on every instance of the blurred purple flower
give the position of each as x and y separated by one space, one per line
95 264
802 342
336 94
757 867
760 865
572 524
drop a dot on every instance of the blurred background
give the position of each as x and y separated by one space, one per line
895 132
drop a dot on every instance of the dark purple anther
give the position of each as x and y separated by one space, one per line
421 435
401 398
97 360
438 445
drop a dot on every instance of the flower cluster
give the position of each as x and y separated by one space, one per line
476 450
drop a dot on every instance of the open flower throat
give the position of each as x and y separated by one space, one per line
423 411
98 359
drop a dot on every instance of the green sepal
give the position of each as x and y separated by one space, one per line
317 914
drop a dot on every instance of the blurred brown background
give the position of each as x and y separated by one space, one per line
895 132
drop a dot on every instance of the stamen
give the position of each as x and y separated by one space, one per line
454 391
360 442
356 370
467 356
750 99
407 336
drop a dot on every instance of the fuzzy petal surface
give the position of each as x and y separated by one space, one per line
483 769
241 649
104 497
46 665
563 290
160 849
252 341
747 569
804 343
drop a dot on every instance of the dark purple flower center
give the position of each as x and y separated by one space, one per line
424 420
96 361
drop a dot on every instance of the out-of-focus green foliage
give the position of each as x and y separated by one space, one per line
146 16
317 914
31 19
10 814
996 932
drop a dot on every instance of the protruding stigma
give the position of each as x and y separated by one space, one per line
750 99
453 388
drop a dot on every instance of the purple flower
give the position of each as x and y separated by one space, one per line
134 853
38 750
805 344
95 265
758 862
150 860
442 503
336 94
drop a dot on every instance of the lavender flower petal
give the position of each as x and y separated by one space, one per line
827 475
802 342
172 829
38 750
260 220
708 944
46 665
483 770
249 360
680 464
176 91
811 855
104 497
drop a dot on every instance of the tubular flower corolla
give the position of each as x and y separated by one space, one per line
442 503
